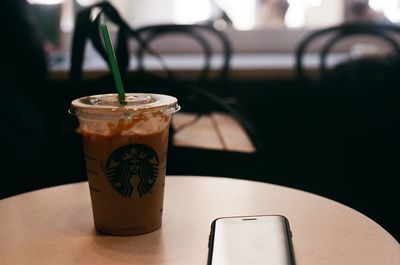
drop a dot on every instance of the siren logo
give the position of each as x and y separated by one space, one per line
132 170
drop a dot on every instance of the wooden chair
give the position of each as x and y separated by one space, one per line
194 96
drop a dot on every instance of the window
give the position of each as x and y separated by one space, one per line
252 25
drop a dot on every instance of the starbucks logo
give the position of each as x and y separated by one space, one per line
132 170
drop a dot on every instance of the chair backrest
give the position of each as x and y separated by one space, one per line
201 34
86 30
331 36
357 92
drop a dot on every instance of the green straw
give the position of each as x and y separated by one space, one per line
113 63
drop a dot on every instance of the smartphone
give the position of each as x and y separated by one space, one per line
262 239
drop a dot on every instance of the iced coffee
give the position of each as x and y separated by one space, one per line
125 149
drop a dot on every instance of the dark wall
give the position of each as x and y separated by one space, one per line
342 144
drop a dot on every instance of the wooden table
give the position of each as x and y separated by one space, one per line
55 226
217 131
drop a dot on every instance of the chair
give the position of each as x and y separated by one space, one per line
194 96
352 110
355 92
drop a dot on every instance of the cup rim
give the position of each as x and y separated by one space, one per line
140 102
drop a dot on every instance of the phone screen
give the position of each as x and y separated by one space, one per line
251 240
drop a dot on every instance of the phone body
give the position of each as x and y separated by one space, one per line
261 239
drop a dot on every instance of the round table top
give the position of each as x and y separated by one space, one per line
55 226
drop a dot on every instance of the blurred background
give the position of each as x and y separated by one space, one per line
57 16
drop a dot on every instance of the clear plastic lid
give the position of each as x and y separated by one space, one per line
136 102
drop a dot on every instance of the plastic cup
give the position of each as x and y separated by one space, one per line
125 149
